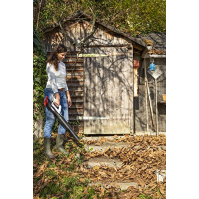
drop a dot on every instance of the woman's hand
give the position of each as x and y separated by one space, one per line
68 98
57 100
69 102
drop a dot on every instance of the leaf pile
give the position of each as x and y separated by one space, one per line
153 191
141 160
146 139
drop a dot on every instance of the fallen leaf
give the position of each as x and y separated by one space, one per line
95 196
96 167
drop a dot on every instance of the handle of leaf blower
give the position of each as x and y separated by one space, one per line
57 108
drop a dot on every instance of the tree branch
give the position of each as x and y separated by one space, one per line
38 14
91 32
66 34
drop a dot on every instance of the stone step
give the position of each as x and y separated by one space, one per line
104 146
125 185
112 137
121 185
100 137
115 162
110 145
98 161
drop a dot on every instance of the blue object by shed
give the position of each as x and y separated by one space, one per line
152 67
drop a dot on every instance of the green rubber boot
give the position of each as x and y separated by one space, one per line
59 144
47 150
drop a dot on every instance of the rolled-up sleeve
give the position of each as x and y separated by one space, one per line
51 77
66 87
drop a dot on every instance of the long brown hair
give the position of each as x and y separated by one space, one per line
52 59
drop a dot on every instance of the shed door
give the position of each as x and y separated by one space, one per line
108 90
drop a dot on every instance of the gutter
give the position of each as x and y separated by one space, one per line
157 56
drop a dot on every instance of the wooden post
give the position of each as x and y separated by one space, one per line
132 107
153 122
146 102
156 98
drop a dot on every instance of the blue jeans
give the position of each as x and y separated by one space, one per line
50 118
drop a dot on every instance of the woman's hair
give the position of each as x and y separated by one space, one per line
52 59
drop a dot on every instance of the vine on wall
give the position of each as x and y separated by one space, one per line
39 77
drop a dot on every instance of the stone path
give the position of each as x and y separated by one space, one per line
113 162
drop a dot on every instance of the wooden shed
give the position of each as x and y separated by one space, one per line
100 73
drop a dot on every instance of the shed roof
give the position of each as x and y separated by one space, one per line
159 42
81 15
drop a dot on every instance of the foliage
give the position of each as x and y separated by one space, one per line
39 76
131 16
38 48
142 196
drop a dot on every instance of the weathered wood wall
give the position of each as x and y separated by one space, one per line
75 82
79 30
109 91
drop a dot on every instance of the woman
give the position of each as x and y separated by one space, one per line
56 87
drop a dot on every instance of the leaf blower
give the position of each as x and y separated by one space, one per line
57 112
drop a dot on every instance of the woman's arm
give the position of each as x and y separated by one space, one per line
69 98
51 77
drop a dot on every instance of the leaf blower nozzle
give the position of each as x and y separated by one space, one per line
56 111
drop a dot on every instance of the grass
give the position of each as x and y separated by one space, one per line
59 177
